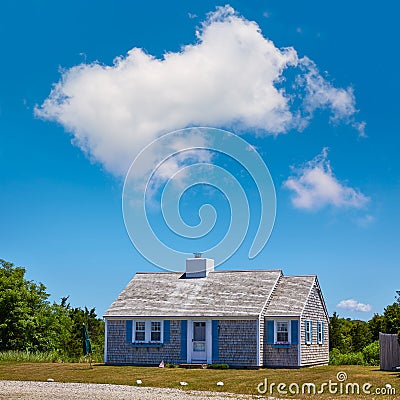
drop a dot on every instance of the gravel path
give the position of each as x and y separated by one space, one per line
12 390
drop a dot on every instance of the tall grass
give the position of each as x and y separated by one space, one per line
26 356
46 357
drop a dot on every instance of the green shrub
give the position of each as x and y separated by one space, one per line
170 365
371 353
354 358
218 366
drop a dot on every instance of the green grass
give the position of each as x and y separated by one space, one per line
235 380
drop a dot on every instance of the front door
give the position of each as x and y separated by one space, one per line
199 342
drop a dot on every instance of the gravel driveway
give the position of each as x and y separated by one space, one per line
12 390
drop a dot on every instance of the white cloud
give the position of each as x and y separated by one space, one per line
354 305
321 94
315 186
365 221
231 77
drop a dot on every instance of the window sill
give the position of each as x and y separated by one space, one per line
140 344
282 346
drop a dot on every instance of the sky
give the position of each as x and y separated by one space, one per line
311 88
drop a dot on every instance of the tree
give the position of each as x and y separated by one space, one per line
377 324
28 321
360 335
24 310
392 318
335 334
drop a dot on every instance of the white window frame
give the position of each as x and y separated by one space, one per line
135 331
147 331
308 331
289 325
320 332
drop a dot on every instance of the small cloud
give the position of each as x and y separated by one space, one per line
365 221
315 186
299 30
354 305
192 16
321 94
360 127
266 14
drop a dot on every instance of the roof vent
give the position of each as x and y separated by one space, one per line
198 267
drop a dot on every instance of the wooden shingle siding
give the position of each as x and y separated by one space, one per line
314 311
276 356
237 343
121 351
281 357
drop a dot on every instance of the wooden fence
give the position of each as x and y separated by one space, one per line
389 351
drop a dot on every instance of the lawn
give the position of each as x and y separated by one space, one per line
235 380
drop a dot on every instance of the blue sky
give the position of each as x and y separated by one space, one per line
62 169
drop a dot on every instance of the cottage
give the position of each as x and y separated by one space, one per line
241 318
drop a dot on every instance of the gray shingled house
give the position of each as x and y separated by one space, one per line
241 318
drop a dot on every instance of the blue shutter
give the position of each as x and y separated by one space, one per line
184 340
129 328
323 333
214 333
295 331
270 332
166 331
310 332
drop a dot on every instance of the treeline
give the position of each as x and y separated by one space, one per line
30 323
357 342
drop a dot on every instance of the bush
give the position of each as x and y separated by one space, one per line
337 358
218 366
371 353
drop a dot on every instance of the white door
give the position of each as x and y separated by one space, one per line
199 348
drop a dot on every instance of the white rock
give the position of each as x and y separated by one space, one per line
220 383
50 380
183 383
139 382
388 386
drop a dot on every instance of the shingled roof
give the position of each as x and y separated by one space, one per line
290 296
220 294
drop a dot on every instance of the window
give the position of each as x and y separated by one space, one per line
308 331
320 332
147 331
282 331
155 331
140 331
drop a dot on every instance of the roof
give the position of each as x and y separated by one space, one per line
221 294
290 296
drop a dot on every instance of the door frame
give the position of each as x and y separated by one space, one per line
208 339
